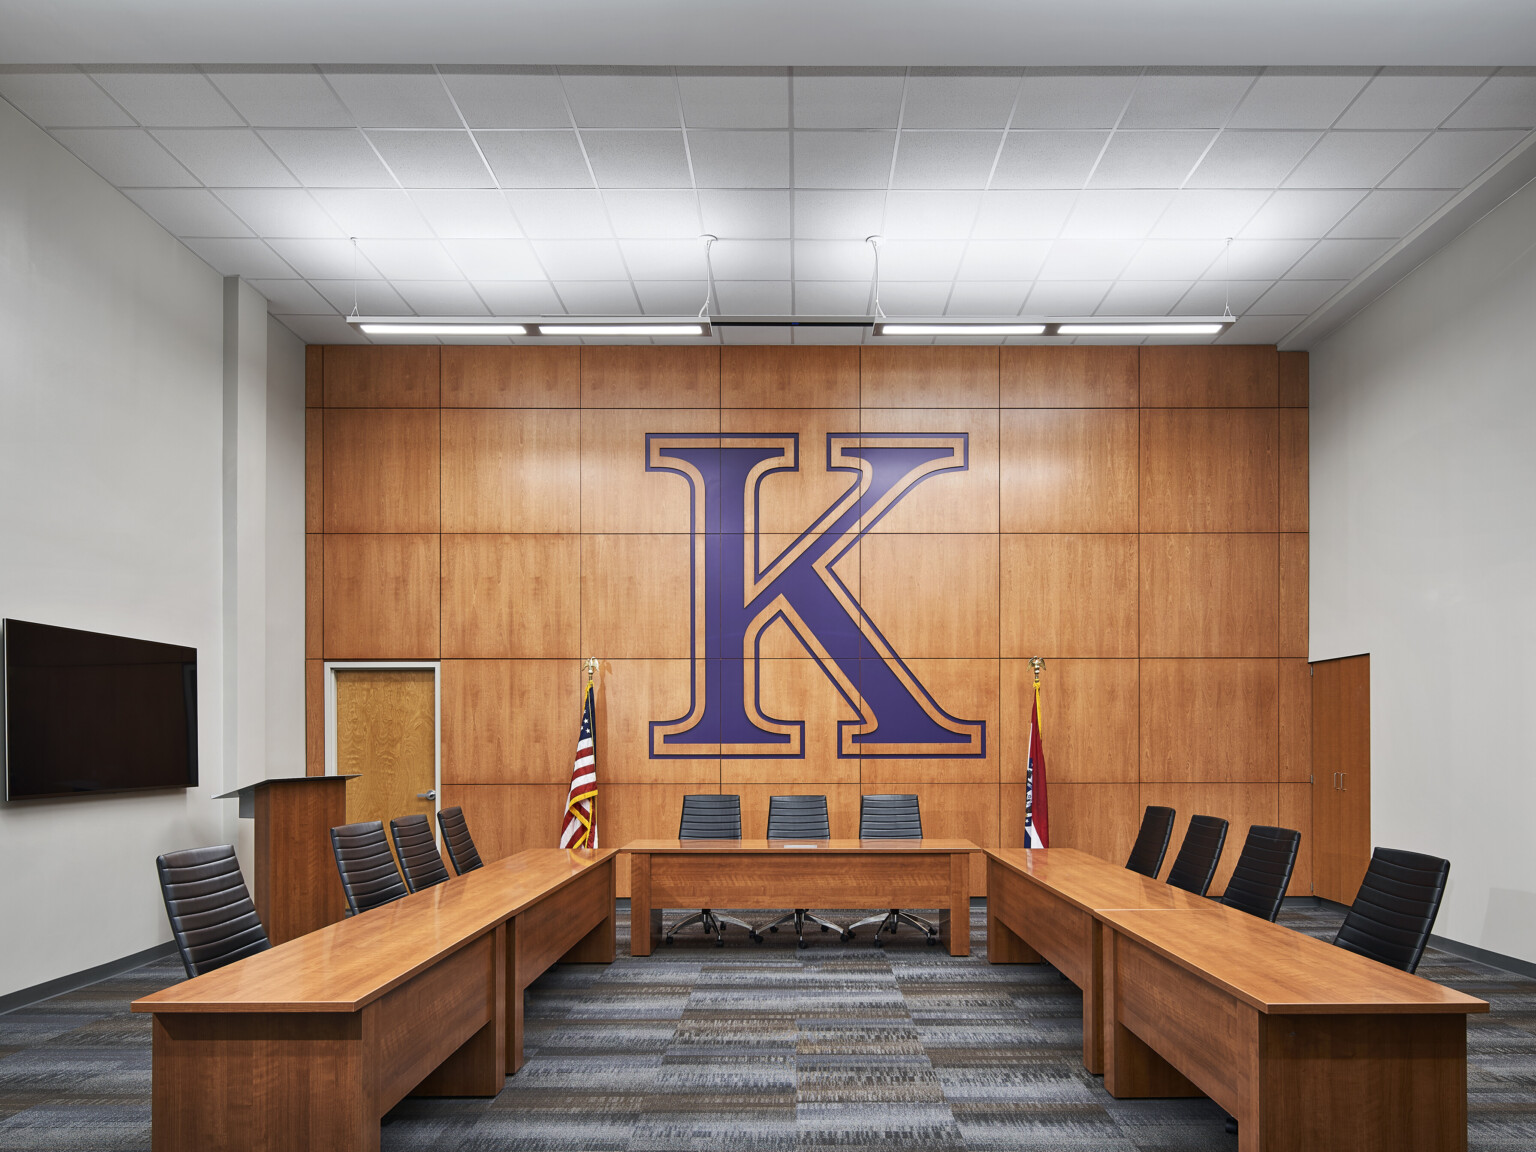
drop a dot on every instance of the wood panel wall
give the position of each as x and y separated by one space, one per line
1136 516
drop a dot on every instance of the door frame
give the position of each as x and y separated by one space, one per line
433 666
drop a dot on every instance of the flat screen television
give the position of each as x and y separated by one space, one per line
86 713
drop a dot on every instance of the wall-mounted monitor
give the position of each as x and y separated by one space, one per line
86 713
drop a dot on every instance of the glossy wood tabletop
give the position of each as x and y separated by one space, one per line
801 845
1093 884
347 965
1279 971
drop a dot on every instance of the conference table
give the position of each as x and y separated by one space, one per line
1307 1045
817 874
308 1044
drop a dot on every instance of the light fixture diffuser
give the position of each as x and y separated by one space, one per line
1139 329
438 328
698 328
956 328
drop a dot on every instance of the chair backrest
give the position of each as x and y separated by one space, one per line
1151 841
707 816
1195 865
894 817
456 838
1396 907
369 875
211 913
419 857
798 817
1263 871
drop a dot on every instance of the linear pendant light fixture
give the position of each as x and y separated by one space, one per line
1057 326
472 327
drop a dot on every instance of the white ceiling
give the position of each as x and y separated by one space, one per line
506 191
772 32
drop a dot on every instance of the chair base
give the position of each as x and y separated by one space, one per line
713 922
799 916
893 919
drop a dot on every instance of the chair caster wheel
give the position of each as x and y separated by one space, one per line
932 941
802 942
669 939
879 943
773 927
719 942
755 937
845 937
824 928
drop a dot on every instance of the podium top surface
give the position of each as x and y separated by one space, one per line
250 789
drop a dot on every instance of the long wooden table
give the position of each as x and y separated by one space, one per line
1311 1047
1046 904
816 874
307 1045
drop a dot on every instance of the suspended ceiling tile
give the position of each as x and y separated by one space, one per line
838 215
280 212
126 157
1066 297
950 101
1214 295
753 297
914 298
843 159
1338 259
945 159
920 259
295 297
929 215
746 214
441 298
1207 214
1294 297
989 298
638 159
1452 159
1023 215
410 259
723 159
466 212
751 259
1048 159
564 215
1353 159
748 98
504 259
1186 98
372 212
226 157
1299 97
852 98
622 97
1003 260
664 259
1507 100
598 297
403 97
281 97
1251 159
186 212
251 259
536 159
329 157
581 259
318 260
508 97
1390 214
422 159
518 297
58 97
369 297
1143 297
1150 159
1173 259
168 97
1411 98
1122 214
1087 259
831 298
657 215
1063 99
833 260
1298 213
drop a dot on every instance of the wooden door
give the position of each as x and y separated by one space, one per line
386 732
1341 776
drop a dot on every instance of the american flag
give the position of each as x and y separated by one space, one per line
1036 834
580 827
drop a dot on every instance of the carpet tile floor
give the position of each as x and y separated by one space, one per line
764 1048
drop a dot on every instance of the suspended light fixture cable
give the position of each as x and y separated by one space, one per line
1226 310
709 275
875 242
354 275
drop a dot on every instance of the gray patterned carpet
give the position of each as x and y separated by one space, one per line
747 1047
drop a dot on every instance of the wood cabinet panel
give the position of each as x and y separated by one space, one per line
968 690
314 375
511 595
1294 548
505 819
1210 470
797 690
314 717
1203 376
1070 377
379 376
617 493
1294 375
641 377
1295 481
1068 595
1100 819
511 470
314 595
774 376
381 470
1210 594
314 470
649 811
960 501
1296 812
630 695
1241 805
1209 720
931 595
510 721
916 377
1088 723
485 376
1341 773
1068 470
791 501
1295 720
635 596
381 597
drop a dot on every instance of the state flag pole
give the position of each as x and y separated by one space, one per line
1036 811
579 827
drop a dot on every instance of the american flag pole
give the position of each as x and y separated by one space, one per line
579 828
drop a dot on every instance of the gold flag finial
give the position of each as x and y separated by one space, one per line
1038 664
590 664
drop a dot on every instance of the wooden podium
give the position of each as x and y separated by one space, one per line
297 886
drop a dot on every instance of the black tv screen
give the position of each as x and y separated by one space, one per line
87 713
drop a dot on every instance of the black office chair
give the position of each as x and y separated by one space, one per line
800 818
456 838
210 909
369 875
419 857
711 817
1195 866
1263 871
1152 841
1396 907
894 817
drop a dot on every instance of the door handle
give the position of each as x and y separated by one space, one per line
429 794
1342 788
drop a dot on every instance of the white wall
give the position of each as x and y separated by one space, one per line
1423 553
110 474
285 553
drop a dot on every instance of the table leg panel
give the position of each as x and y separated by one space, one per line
1139 1003
478 1067
1004 945
958 926
644 921
599 944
